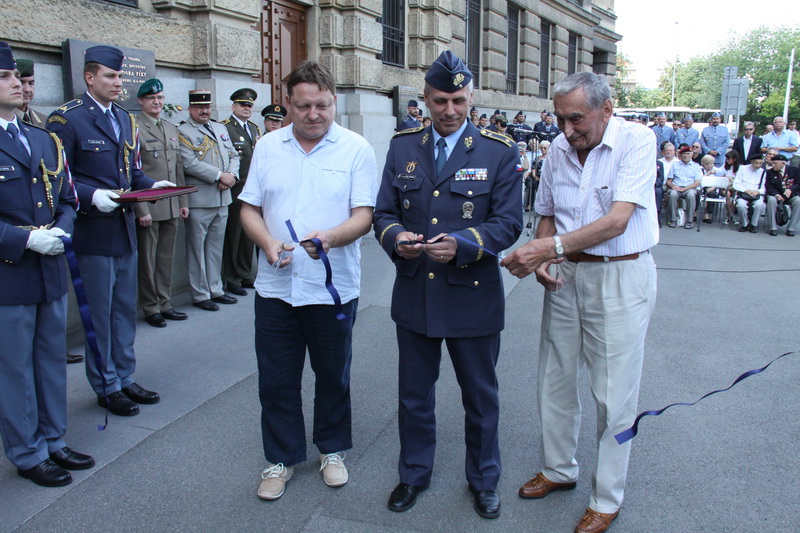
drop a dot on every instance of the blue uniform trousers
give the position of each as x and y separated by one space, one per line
111 290
474 360
283 333
33 381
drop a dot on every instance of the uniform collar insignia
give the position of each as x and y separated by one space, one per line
410 166
468 142
425 138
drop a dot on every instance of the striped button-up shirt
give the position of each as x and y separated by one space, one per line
622 168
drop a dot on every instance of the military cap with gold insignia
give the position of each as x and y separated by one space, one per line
25 68
199 97
275 112
108 56
150 86
244 96
6 57
448 73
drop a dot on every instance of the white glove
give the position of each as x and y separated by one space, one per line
44 242
102 200
58 232
163 184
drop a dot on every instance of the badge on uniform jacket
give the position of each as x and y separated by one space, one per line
224 137
472 174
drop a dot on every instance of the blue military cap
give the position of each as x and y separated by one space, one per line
6 57
716 115
689 117
661 115
108 56
151 86
412 103
448 73
483 116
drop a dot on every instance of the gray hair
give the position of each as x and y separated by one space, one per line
748 123
595 87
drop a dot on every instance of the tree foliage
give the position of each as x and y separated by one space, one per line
636 96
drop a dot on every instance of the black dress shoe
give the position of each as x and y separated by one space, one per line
753 229
171 314
743 229
773 233
789 233
72 460
249 284
206 305
47 474
404 497
118 404
140 395
238 291
74 358
487 503
225 299
156 320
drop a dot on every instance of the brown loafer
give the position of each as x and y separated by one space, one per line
594 522
540 486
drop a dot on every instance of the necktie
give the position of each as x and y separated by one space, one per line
26 118
441 158
247 132
14 132
113 120
208 127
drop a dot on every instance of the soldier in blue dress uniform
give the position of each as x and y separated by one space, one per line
449 179
37 206
663 132
715 140
687 134
101 144
411 119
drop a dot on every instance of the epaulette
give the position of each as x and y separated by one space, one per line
57 118
69 106
38 127
409 130
226 121
497 137
181 123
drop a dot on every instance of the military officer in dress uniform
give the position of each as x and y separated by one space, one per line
157 225
663 132
273 117
210 163
238 271
521 132
100 141
715 140
37 206
455 188
687 134
411 118
28 115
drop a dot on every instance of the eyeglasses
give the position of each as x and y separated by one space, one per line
155 97
749 129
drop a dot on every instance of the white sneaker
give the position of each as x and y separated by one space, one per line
274 479
334 473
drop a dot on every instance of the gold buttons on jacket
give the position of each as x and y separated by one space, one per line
434 221
469 193
431 275
435 194
475 283
34 180
38 204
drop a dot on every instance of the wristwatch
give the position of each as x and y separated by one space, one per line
559 247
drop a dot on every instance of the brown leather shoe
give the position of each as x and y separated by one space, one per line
540 486
594 522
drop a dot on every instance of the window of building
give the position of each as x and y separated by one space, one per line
131 3
572 55
512 49
544 59
394 33
473 43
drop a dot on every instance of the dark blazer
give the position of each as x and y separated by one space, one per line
755 147
773 184
27 277
477 197
98 160
244 146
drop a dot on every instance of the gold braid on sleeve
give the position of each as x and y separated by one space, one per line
385 230
480 242
47 173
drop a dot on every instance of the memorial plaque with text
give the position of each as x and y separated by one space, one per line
137 66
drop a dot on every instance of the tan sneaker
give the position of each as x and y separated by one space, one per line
334 473
273 481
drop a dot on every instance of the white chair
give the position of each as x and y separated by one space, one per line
713 182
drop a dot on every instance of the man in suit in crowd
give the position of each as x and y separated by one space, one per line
210 163
37 207
448 289
238 271
411 120
157 225
782 184
100 143
273 117
749 143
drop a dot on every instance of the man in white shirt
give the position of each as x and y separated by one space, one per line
323 179
750 190
592 255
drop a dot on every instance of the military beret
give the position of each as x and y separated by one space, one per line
275 112
779 157
108 56
412 103
757 155
448 73
199 97
684 149
6 57
150 86
244 96
25 68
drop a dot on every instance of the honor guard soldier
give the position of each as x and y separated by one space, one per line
411 118
449 194
37 206
273 117
521 132
157 225
715 140
100 141
210 163
237 253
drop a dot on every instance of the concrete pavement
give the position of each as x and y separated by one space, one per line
192 462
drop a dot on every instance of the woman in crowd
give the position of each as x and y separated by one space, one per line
731 166
707 162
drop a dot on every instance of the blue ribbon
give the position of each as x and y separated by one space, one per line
86 316
337 301
631 432
464 239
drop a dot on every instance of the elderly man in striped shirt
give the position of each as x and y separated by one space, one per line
592 255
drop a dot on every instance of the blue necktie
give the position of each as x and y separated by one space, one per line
113 120
14 133
441 157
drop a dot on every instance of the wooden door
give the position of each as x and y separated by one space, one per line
283 39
